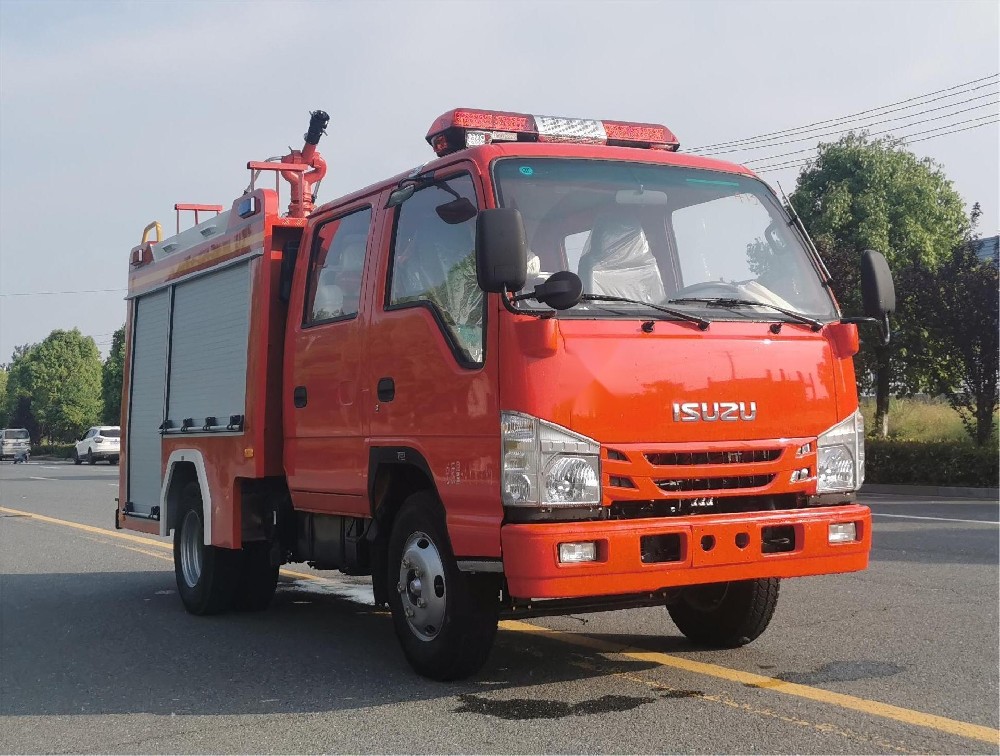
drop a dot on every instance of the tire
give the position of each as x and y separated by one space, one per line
76 458
91 459
450 636
257 578
726 615
113 460
206 575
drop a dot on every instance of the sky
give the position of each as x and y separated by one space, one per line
112 112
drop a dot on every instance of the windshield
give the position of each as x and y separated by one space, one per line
660 234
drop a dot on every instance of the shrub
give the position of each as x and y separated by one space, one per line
60 451
931 463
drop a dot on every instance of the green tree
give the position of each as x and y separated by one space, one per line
863 194
54 388
112 373
3 396
17 400
966 328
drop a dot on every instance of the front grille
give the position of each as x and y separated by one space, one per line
739 457
638 510
726 483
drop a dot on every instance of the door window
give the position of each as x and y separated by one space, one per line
434 262
336 268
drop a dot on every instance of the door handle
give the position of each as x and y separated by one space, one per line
299 397
386 389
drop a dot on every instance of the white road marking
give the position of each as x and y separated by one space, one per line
936 519
35 477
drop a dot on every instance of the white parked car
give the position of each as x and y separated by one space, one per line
100 442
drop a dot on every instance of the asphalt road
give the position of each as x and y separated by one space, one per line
97 654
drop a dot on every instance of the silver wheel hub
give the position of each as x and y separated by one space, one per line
192 548
421 586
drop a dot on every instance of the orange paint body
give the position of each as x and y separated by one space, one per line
606 379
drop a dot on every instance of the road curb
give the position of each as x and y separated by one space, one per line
956 492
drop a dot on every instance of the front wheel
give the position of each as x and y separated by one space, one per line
726 615
91 459
206 575
76 458
445 620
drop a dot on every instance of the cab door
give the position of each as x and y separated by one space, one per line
433 355
325 456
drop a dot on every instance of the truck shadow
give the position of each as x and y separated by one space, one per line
117 642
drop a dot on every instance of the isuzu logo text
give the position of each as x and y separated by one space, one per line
692 412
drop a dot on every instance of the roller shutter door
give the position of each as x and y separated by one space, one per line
208 355
146 409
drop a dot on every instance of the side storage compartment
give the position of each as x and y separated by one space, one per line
208 354
146 402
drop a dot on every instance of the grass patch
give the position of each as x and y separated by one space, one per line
919 419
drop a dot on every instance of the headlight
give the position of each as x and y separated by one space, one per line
841 456
546 465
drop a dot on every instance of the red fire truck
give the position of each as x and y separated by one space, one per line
562 367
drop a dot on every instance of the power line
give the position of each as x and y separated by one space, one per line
767 158
873 123
855 116
798 163
905 139
49 293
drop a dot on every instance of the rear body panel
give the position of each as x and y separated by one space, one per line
207 376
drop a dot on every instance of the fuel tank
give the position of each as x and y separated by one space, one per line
622 381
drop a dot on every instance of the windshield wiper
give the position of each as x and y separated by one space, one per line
564 289
702 323
728 302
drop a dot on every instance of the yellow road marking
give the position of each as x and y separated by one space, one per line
726 700
127 537
842 700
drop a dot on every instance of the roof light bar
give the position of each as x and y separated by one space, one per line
465 127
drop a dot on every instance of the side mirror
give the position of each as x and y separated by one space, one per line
562 290
877 290
457 211
878 293
501 250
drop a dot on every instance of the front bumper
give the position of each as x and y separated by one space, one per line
532 567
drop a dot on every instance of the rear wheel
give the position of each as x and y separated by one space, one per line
206 575
445 620
258 577
726 615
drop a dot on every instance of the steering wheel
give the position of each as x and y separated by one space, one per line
706 289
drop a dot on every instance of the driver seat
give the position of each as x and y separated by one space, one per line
617 260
